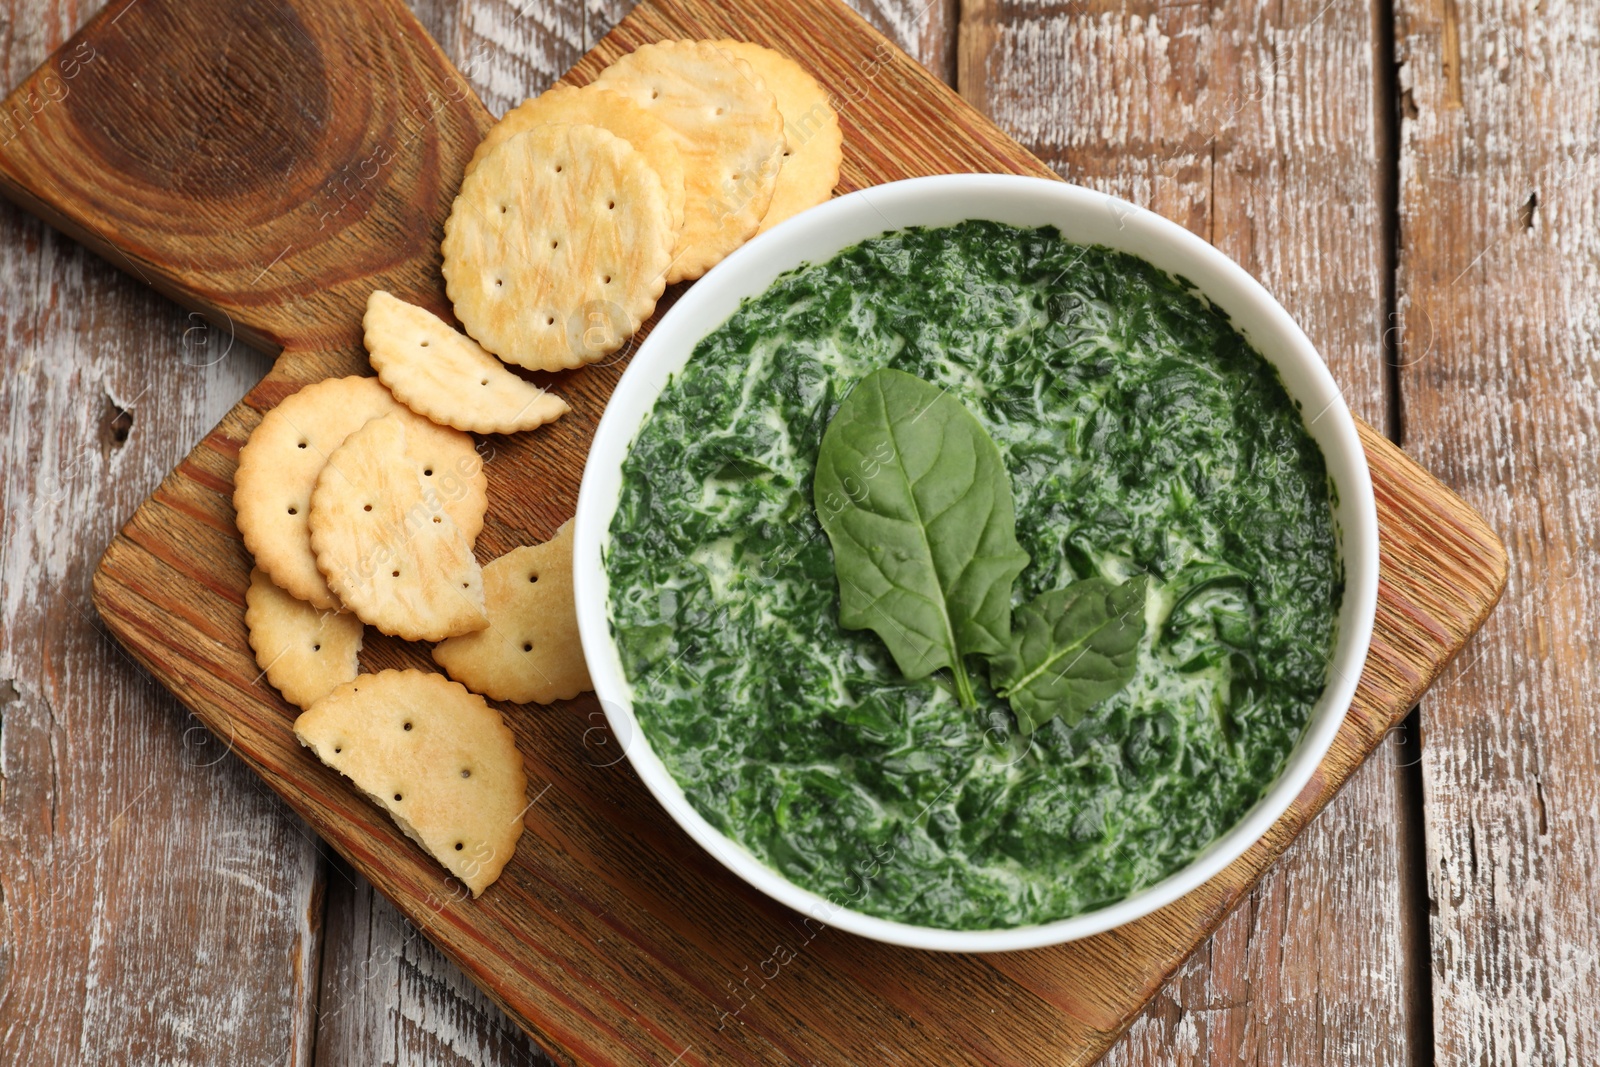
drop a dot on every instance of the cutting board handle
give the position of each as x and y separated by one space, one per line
267 163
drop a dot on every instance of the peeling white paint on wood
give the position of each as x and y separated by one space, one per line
386 995
152 895
1254 127
1500 284
925 29
159 905
389 997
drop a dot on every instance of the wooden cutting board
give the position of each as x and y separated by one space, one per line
268 163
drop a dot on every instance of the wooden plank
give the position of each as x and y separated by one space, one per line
157 902
390 997
387 995
927 30
601 865
1218 1001
1254 125
1500 221
289 216
376 969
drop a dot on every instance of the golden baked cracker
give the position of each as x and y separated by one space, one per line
385 537
436 757
530 652
557 246
593 106
278 468
730 134
305 652
810 127
446 377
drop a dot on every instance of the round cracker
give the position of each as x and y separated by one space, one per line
384 532
557 247
729 132
815 149
278 468
593 106
447 378
441 761
305 653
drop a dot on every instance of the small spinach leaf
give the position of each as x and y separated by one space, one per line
917 504
1070 649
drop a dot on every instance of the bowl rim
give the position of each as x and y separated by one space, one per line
942 200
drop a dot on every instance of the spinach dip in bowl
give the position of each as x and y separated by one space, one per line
1144 439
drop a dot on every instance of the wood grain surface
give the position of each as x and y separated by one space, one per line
1266 158
157 901
1500 286
403 1003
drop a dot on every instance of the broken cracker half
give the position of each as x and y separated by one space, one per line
446 377
530 651
439 759
305 651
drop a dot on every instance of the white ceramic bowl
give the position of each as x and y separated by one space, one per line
1083 216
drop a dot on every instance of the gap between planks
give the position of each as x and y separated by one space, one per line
1388 118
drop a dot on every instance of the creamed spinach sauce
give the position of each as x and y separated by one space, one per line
1143 435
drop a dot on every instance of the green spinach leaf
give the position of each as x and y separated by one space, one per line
917 505
1070 649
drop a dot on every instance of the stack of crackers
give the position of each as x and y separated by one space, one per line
361 498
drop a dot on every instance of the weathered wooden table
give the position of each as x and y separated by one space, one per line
1419 183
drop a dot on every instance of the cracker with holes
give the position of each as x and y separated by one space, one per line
304 651
557 246
729 133
529 652
815 149
447 378
593 106
437 758
278 468
385 531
